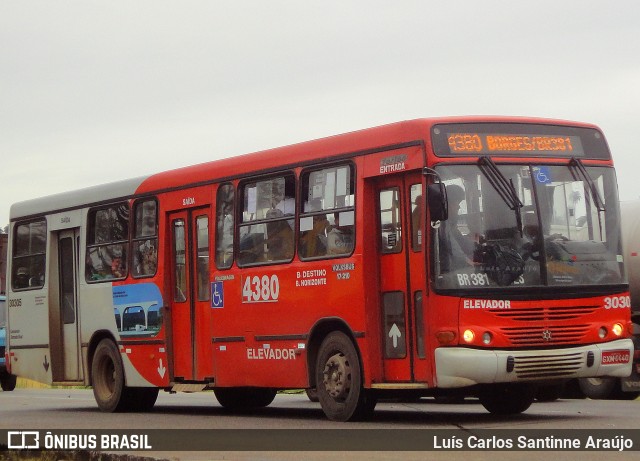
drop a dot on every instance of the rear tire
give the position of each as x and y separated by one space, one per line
339 380
507 398
8 382
107 379
142 398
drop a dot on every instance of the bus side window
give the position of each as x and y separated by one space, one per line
266 229
107 243
327 216
29 255
145 239
224 227
202 264
417 214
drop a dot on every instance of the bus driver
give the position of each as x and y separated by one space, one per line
456 248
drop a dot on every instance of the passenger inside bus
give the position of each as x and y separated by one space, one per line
340 238
21 279
313 241
456 249
145 259
279 237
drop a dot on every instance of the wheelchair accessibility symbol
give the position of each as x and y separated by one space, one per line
217 295
543 174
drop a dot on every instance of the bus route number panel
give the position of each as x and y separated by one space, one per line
517 139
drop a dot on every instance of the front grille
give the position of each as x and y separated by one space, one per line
548 366
538 314
539 335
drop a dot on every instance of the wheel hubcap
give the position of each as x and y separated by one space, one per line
337 376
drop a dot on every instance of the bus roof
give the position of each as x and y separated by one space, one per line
370 139
74 199
362 141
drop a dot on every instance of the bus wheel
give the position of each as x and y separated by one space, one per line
549 393
143 398
507 399
8 382
339 380
598 388
312 394
107 378
238 398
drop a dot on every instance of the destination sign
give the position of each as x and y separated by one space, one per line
478 143
518 139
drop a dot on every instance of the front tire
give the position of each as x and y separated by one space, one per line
339 380
549 393
312 394
507 399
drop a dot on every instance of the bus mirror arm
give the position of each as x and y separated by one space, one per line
437 200
436 197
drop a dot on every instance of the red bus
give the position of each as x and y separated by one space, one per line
473 256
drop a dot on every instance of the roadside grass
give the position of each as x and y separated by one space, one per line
78 455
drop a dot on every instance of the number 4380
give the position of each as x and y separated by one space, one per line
261 289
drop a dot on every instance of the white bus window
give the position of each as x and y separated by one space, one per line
29 255
107 243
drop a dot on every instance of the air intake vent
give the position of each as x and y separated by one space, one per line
540 314
549 366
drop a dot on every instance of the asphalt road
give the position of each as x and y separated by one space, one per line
75 409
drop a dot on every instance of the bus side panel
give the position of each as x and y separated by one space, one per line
134 312
28 338
28 335
261 331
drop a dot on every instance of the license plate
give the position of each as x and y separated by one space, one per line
616 357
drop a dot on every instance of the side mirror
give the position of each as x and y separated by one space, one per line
437 200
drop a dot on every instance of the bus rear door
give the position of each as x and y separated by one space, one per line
190 298
66 356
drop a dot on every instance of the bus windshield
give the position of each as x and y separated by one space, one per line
528 225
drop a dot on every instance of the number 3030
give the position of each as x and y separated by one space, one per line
617 302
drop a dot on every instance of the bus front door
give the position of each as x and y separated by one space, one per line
402 277
65 350
191 328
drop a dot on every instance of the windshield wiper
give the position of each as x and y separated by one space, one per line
577 164
503 186
582 172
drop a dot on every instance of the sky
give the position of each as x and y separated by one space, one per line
96 91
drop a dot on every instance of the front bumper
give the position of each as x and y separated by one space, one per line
462 366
